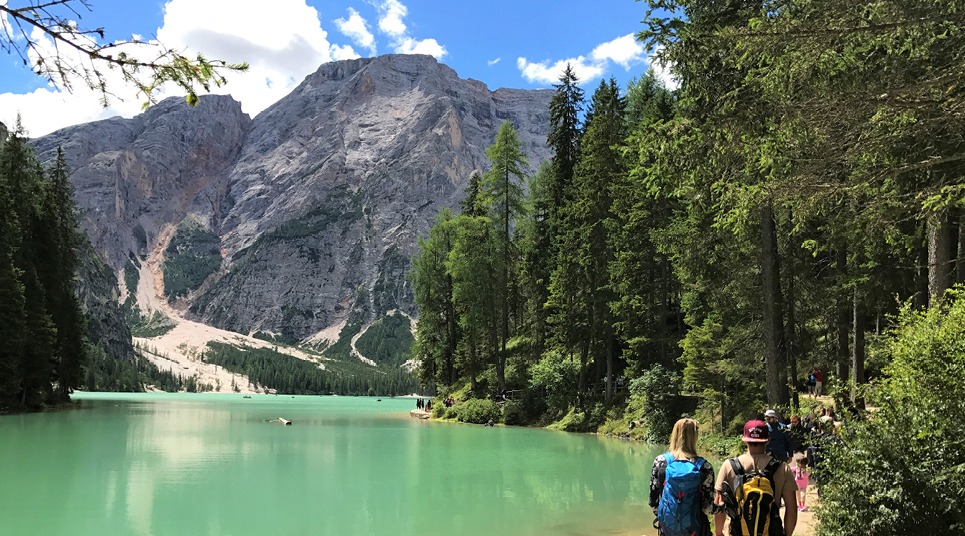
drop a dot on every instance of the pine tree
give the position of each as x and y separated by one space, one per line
61 222
581 291
502 184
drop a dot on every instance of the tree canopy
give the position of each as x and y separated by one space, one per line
46 37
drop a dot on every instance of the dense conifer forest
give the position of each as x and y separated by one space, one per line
41 322
770 215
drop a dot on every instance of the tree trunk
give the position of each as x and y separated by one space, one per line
960 257
451 326
775 370
609 367
939 255
843 323
857 358
791 337
501 362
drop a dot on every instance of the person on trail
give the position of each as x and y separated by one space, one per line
779 445
818 381
797 432
801 473
821 437
682 485
752 484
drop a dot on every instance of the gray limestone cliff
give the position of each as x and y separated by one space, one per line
316 203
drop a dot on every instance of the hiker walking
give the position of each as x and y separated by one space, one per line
797 432
682 485
751 487
779 445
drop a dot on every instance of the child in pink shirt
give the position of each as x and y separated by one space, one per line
801 472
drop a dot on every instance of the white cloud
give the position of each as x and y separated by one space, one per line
625 51
282 44
426 46
663 72
546 73
392 15
46 110
356 28
493 62
391 19
344 52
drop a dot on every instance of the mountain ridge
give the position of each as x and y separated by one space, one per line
315 203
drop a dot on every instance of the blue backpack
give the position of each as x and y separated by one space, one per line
679 509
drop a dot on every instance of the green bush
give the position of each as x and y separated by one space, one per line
478 411
656 393
558 377
529 408
902 471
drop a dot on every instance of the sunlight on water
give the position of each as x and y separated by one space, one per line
158 464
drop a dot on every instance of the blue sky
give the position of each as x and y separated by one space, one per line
504 43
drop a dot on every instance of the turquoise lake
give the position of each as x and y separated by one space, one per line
212 464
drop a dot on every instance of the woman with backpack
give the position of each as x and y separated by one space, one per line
682 485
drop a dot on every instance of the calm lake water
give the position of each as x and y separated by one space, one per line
181 464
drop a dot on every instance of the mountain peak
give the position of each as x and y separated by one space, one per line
307 216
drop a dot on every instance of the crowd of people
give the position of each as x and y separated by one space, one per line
780 461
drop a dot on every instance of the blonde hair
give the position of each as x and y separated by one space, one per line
683 440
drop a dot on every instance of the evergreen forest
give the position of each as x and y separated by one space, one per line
794 202
41 322
717 240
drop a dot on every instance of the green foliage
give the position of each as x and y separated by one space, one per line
106 373
478 411
291 375
342 348
193 254
656 393
41 322
736 231
557 378
153 326
387 341
901 471
528 408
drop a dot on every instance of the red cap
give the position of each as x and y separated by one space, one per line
755 432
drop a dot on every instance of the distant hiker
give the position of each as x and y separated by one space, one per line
811 382
751 488
778 446
682 485
797 432
818 381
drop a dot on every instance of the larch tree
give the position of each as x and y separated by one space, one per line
503 185
77 56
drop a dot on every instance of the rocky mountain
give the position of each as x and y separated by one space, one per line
303 219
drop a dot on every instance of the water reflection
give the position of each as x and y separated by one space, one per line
169 464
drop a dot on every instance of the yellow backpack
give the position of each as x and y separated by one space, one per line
752 502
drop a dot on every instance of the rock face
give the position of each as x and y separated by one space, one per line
317 202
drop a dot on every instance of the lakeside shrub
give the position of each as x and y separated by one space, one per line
529 408
901 472
558 377
478 411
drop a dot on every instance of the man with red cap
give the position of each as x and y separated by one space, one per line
749 475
